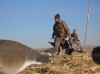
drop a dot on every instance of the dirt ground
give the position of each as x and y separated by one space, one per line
77 63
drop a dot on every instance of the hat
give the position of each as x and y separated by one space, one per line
57 16
74 30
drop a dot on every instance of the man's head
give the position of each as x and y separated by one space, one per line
74 31
57 18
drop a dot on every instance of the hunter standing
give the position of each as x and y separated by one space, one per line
74 35
60 32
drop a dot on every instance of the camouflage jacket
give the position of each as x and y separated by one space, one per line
75 36
60 30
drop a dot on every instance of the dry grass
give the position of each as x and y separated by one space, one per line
66 64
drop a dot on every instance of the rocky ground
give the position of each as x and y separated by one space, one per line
77 63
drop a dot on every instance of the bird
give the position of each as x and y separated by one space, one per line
15 57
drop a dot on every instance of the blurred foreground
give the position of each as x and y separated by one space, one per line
66 64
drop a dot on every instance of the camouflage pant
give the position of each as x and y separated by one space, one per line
58 42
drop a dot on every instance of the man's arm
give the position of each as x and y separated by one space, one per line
66 28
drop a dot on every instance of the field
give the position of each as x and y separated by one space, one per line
77 63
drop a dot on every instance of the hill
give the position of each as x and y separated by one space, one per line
77 63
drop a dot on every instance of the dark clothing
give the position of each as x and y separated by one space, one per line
75 36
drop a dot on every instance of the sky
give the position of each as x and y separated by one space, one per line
31 21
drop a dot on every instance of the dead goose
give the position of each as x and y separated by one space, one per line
14 57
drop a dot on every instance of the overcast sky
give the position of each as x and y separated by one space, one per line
30 21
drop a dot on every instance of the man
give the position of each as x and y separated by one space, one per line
75 43
60 32
74 35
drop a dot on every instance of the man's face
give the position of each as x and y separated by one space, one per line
74 31
57 20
